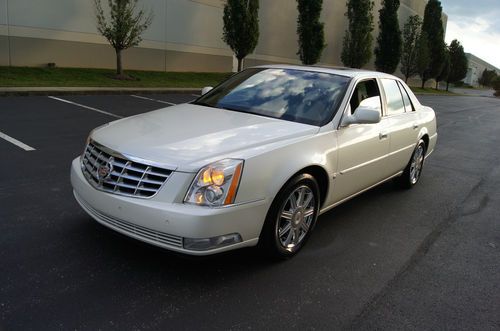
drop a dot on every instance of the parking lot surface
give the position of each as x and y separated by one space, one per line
427 258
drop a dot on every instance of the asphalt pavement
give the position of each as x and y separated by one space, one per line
427 258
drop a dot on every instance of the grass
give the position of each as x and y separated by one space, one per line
428 90
84 77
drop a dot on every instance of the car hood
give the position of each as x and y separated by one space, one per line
187 136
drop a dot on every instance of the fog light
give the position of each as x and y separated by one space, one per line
204 244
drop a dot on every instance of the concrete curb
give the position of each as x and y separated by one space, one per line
25 91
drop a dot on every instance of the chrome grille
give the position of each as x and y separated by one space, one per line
114 173
140 231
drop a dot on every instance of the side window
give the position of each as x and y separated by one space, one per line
406 98
395 103
365 89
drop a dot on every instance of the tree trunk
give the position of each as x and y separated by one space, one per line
423 83
447 86
406 80
240 64
119 68
437 84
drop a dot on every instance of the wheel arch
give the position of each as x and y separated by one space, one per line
320 174
424 135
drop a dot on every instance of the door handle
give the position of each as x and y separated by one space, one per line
415 126
382 135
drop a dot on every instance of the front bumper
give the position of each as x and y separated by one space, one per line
164 220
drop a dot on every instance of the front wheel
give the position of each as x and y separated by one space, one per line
291 217
413 170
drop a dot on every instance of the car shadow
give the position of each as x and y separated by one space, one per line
142 256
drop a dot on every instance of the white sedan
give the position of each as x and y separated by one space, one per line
255 160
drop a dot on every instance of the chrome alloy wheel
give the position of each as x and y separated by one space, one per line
295 217
417 163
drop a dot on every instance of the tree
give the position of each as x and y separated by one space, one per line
458 63
496 85
423 57
310 30
433 26
357 46
411 32
444 75
388 50
123 28
241 27
487 77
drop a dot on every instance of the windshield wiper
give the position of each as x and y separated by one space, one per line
232 109
204 104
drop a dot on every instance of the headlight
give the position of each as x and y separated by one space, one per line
216 184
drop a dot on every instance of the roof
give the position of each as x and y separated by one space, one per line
472 57
341 71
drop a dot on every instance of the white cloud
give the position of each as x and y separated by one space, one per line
477 37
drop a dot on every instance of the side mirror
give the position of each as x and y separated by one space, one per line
368 112
206 89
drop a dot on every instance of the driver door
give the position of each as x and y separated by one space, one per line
362 148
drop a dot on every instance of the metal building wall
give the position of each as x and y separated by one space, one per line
185 34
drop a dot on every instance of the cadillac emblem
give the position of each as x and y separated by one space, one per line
104 171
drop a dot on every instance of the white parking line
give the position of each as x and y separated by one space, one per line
86 107
156 100
16 142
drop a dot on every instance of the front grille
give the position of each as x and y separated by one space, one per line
140 231
111 172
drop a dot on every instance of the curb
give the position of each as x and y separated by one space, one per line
44 91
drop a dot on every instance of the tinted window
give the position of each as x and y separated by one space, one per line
294 95
364 90
395 103
406 98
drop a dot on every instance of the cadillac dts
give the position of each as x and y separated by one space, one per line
255 160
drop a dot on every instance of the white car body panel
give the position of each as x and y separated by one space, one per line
195 136
362 158
187 137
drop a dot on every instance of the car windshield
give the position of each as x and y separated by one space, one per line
289 94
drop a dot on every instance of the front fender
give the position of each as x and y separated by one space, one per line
265 174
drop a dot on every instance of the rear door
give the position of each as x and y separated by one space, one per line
402 122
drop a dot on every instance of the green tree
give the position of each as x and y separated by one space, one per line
388 50
444 75
496 85
458 63
310 30
411 32
487 77
433 26
358 40
123 26
241 27
423 57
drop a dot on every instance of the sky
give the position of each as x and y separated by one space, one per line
476 24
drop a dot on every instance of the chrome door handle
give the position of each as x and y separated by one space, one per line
382 135
415 126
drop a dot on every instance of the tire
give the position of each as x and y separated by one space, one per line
291 218
413 170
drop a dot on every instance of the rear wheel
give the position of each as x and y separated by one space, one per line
413 170
291 217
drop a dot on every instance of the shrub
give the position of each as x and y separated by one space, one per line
496 86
